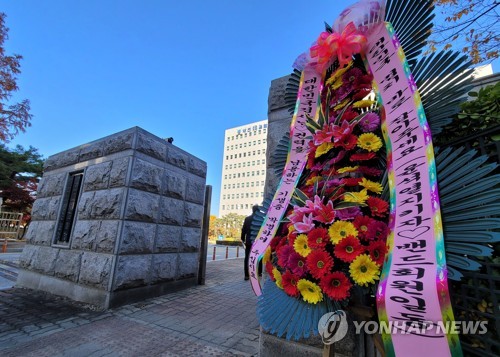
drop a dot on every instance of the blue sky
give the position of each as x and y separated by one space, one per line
185 69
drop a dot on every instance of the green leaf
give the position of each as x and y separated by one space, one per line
344 205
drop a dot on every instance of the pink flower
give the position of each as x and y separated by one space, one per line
323 136
306 225
370 122
339 132
348 213
324 213
296 215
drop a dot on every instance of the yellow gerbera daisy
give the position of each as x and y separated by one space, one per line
323 149
364 270
341 105
300 245
338 74
313 180
338 83
310 291
364 103
371 186
267 255
341 229
347 169
357 197
370 142
277 277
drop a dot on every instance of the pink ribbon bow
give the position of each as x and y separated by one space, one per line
343 46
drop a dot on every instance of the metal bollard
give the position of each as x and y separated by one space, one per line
4 246
237 252
227 251
213 257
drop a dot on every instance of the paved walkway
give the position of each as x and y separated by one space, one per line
217 319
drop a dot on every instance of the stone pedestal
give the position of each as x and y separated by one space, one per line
137 226
279 120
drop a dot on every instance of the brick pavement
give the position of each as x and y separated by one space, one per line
217 319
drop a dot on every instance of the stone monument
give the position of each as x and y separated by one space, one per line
116 220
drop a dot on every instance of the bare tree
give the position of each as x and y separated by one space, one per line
471 26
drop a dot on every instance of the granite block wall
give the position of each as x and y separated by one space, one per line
137 229
279 120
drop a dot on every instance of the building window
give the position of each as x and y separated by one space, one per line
262 172
257 183
246 195
223 207
68 211
247 184
258 162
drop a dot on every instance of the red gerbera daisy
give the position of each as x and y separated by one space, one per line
349 115
361 223
348 249
377 250
378 206
348 142
318 238
289 282
274 242
336 285
369 171
283 254
351 181
319 263
361 93
377 230
297 264
269 269
362 156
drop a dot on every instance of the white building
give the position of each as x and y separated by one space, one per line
243 168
